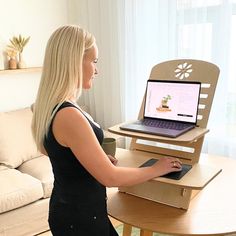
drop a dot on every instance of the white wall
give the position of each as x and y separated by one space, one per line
37 19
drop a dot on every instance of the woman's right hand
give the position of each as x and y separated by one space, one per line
166 165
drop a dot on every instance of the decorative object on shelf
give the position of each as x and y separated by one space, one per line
1 62
11 54
18 44
3 57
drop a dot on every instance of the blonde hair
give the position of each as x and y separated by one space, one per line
62 75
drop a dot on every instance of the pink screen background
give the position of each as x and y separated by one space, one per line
183 103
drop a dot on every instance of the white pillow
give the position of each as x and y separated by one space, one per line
16 141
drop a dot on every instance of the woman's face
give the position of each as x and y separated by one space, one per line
89 66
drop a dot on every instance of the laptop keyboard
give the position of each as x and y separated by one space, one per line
164 124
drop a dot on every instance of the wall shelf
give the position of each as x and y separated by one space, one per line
17 71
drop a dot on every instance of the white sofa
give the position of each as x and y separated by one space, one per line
26 177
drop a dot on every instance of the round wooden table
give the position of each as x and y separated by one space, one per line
211 212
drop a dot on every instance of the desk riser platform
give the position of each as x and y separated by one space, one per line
176 193
171 195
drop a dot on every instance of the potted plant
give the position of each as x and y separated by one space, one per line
164 101
18 44
11 54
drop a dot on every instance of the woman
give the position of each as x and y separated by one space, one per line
73 141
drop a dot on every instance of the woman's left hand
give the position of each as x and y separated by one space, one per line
113 160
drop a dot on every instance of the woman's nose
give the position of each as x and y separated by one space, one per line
96 71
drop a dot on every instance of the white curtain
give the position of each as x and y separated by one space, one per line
134 35
104 19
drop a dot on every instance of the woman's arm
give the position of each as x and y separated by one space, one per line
72 129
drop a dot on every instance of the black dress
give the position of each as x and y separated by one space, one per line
78 201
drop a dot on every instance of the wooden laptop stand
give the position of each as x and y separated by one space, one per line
186 147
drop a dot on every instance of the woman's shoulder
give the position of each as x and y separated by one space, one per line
68 109
67 118
67 104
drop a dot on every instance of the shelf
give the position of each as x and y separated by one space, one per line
176 193
197 178
188 137
17 71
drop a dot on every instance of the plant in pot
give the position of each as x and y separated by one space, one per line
11 54
164 101
18 44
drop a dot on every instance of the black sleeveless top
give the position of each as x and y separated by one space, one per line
71 179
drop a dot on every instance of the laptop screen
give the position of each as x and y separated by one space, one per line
172 100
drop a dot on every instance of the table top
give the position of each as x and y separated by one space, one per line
211 212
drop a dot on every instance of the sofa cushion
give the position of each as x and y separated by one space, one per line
41 169
2 167
16 141
18 189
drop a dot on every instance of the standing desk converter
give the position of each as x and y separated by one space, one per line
211 212
187 147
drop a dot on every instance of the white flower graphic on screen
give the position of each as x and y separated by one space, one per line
183 71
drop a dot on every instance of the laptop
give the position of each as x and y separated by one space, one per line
170 108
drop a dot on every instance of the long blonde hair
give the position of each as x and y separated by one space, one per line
62 75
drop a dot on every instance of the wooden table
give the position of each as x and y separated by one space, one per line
211 212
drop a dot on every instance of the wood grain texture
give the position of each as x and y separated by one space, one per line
211 212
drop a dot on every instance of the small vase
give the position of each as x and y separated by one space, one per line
12 64
21 62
